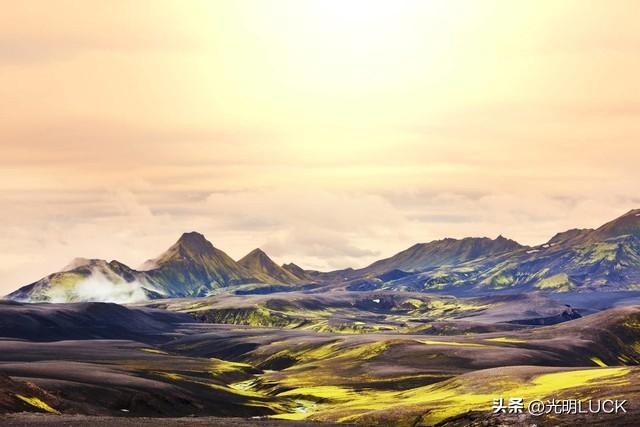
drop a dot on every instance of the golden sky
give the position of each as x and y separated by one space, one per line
328 132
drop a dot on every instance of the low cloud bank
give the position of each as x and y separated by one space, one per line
98 287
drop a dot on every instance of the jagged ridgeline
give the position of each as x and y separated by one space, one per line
578 260
192 267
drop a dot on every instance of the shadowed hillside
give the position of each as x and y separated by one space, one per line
105 359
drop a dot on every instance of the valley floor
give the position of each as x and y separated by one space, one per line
371 359
42 420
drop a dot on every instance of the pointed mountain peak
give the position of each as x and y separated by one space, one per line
296 270
194 241
509 243
292 266
265 269
191 245
256 255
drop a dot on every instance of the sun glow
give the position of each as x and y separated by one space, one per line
329 45
339 60
443 118
375 37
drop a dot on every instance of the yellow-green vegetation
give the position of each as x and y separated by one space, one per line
37 403
243 385
153 350
450 398
499 281
559 283
308 399
301 411
62 286
596 252
274 313
452 343
219 366
171 376
414 302
500 276
334 350
540 386
598 362
445 309
243 389
330 393
365 351
506 340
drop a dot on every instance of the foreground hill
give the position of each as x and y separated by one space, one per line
376 311
38 420
108 360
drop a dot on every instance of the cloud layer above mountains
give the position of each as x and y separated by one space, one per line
328 137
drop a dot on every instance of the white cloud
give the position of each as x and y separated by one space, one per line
97 287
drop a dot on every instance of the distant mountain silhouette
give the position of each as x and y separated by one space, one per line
443 252
602 259
297 271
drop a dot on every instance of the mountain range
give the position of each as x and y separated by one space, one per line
578 260
192 267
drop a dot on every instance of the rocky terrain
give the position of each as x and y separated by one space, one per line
429 336
606 259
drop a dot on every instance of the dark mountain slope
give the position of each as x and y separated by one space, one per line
443 252
91 320
604 259
626 225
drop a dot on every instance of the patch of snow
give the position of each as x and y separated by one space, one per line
377 300
638 214
545 246
533 251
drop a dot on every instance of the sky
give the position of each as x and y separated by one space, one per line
329 133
